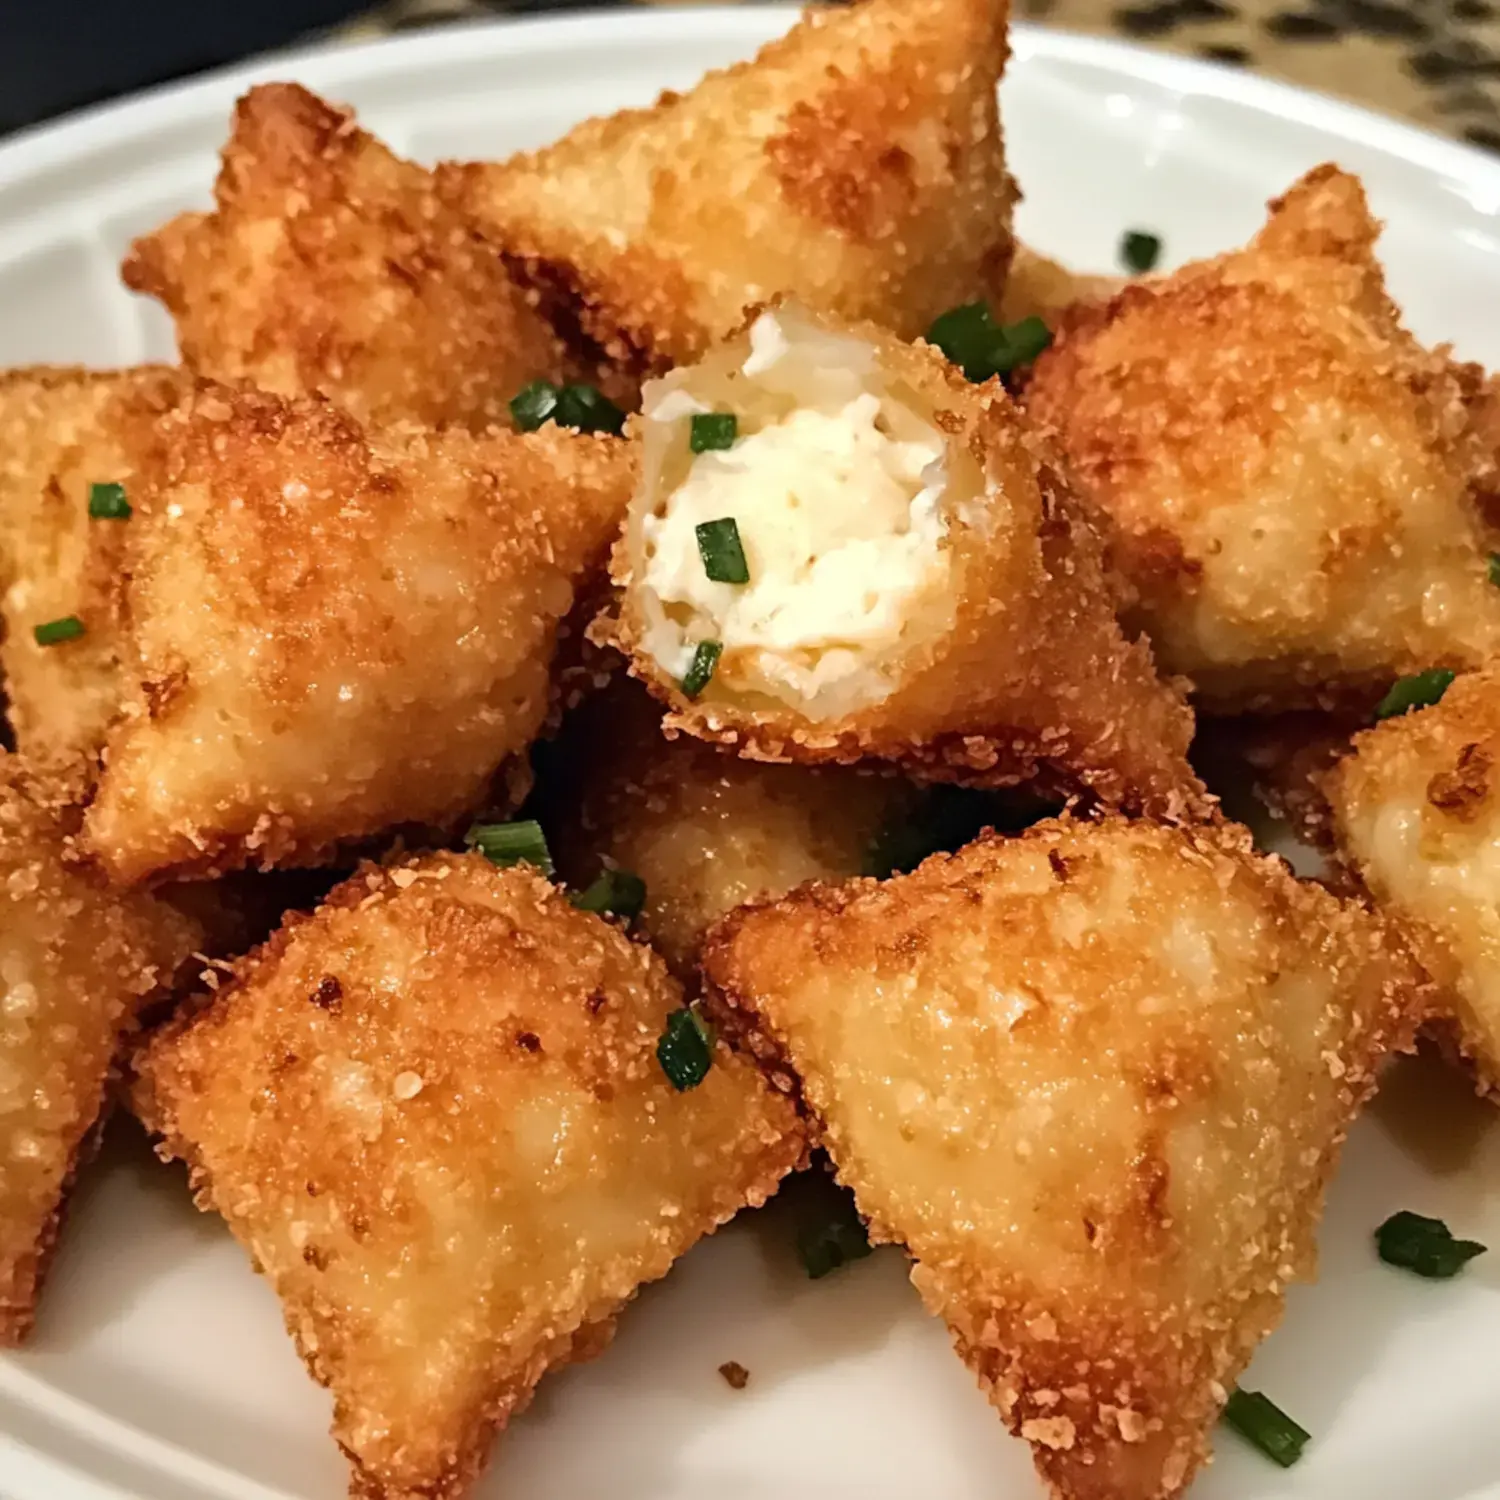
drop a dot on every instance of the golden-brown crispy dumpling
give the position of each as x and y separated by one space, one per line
1040 287
331 266
77 962
61 432
1416 815
1095 1079
336 630
922 587
856 164
434 1114
1290 473
704 830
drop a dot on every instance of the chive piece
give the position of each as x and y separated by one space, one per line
722 553
1424 1245
831 1233
511 844
1495 568
107 502
617 893
55 632
588 409
1420 690
705 663
711 431
1140 250
686 1049
1260 1421
534 404
972 339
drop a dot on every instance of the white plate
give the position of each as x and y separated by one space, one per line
160 1369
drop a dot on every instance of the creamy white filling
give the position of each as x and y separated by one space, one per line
840 525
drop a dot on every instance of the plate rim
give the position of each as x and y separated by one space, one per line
56 1451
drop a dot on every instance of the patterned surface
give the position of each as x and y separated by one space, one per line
1436 62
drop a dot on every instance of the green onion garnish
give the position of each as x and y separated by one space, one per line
704 664
831 1233
1260 1421
511 844
55 632
107 502
1420 690
1424 1245
972 339
723 556
1140 250
686 1049
589 410
617 893
713 430
1495 568
534 404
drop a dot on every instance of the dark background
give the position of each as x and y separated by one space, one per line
58 54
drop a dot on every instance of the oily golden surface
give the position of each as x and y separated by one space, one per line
1293 477
1416 815
336 630
706 831
331 266
434 1115
856 164
76 964
62 430
1032 677
1095 1079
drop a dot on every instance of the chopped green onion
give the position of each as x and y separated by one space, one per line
1140 250
589 410
1420 690
713 430
686 1049
55 632
831 1233
972 339
534 404
107 502
1260 1421
704 664
617 893
511 844
1495 568
723 555
1424 1245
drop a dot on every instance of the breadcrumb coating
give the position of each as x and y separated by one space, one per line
330 266
1416 816
856 164
1002 660
434 1116
63 430
336 630
1095 1079
706 831
1294 480
77 963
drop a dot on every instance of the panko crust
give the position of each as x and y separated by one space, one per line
706 831
433 1114
1034 682
77 964
63 429
1294 480
335 631
1416 819
856 163
1095 1079
330 266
